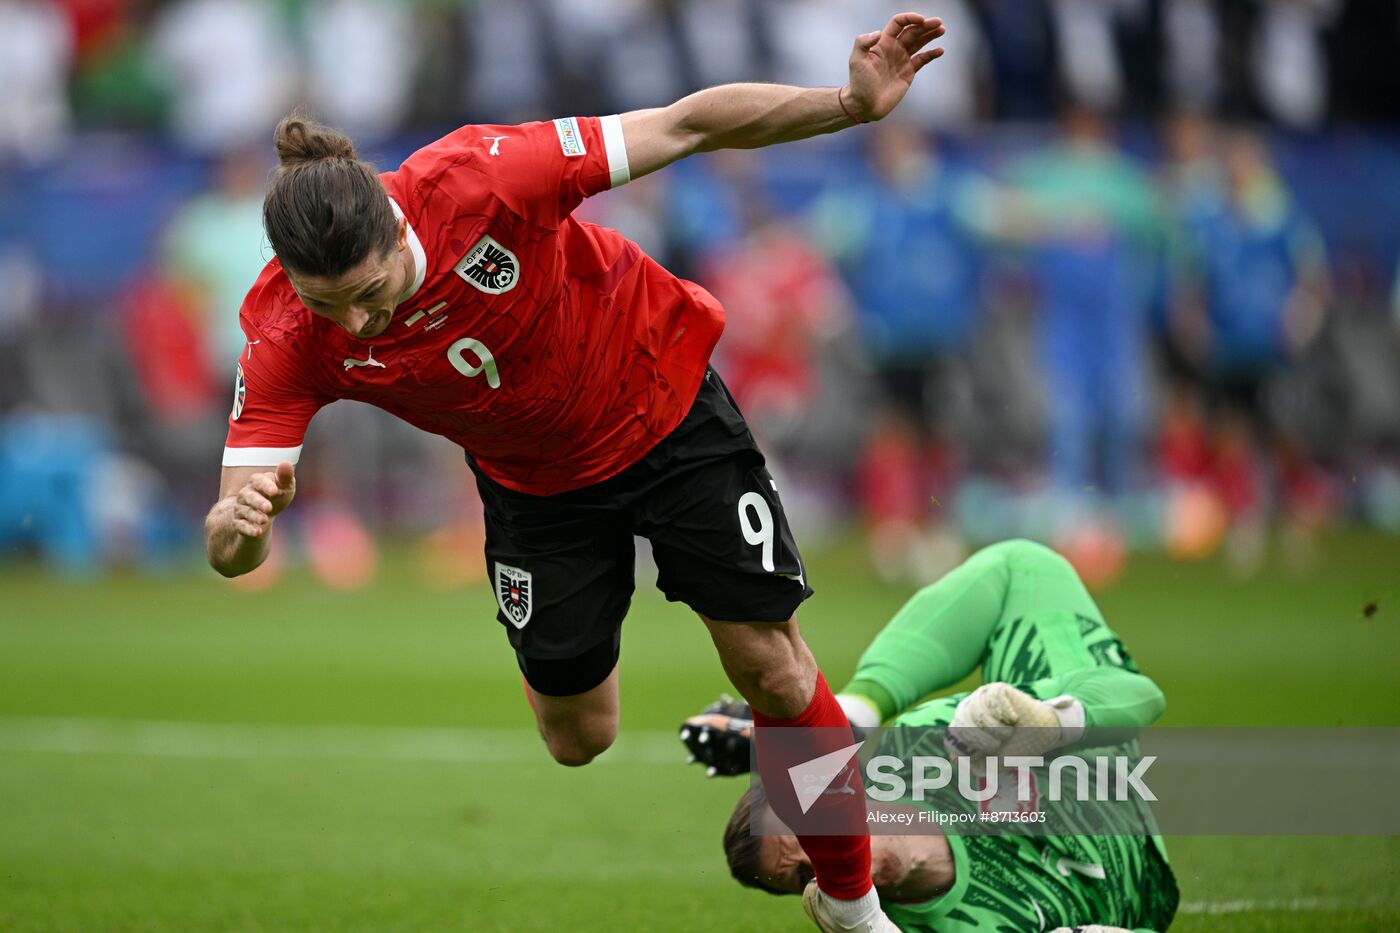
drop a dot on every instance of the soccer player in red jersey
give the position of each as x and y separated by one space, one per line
460 294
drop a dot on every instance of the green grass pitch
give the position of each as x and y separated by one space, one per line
176 755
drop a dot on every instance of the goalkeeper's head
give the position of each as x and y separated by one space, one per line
757 857
763 853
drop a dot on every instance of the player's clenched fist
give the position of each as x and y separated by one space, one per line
998 719
261 498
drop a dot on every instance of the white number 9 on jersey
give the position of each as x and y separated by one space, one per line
486 363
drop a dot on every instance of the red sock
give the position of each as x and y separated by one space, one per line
841 862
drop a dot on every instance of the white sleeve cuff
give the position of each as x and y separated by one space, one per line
1070 712
616 148
260 456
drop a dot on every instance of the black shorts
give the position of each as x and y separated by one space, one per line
562 566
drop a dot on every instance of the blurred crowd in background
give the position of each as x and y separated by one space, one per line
1120 274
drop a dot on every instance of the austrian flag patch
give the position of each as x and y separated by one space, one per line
570 138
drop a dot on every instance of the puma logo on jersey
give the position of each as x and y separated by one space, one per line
490 267
495 144
371 361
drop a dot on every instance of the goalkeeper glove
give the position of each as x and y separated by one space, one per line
998 719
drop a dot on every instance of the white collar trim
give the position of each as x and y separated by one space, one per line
420 259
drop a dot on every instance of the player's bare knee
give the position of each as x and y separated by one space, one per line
570 756
780 689
769 664
780 684
576 745
573 755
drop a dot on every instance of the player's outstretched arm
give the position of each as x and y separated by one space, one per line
749 116
238 529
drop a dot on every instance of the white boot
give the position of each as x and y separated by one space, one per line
835 916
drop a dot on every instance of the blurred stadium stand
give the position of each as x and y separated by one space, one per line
129 132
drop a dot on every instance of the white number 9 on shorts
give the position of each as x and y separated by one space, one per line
760 532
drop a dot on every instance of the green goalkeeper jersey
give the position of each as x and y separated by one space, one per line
1019 611
1007 883
1013 881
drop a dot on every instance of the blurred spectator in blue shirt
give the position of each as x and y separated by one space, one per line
1092 219
1193 189
1261 264
705 201
905 237
1253 298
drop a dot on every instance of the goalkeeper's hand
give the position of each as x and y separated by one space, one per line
720 737
998 719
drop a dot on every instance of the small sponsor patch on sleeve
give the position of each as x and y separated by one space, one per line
570 137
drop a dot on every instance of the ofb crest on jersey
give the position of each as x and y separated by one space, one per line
513 587
490 267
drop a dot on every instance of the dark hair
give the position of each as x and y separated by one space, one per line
325 210
743 847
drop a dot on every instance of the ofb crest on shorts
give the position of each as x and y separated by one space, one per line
513 587
490 267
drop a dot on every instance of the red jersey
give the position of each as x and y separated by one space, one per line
555 352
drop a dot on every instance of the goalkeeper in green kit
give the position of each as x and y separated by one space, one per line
1019 611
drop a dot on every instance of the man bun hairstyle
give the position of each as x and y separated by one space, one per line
300 140
326 210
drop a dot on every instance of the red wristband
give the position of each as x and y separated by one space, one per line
858 121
